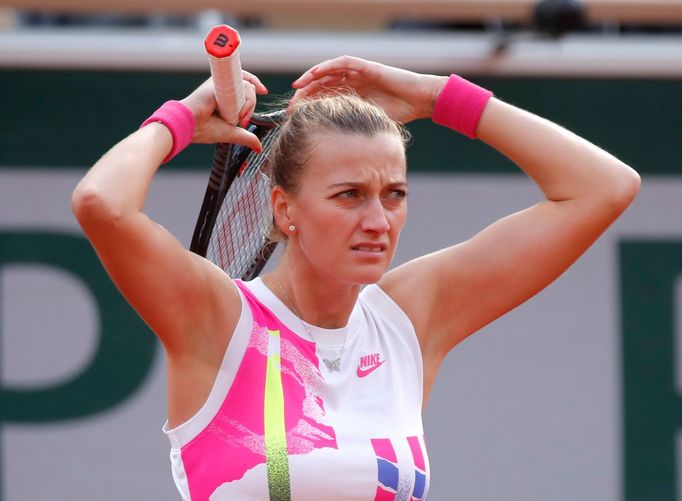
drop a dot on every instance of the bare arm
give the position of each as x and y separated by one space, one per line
454 292
469 285
175 291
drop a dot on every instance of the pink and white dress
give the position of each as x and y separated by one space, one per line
280 425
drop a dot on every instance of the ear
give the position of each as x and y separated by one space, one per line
281 208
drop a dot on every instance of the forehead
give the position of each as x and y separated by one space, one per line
340 157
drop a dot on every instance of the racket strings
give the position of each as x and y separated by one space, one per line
242 229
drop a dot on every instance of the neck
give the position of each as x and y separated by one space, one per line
316 300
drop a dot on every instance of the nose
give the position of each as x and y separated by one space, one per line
374 217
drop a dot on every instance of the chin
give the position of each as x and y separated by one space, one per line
367 276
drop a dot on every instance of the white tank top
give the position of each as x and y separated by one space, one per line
282 424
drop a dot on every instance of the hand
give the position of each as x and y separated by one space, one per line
403 94
210 127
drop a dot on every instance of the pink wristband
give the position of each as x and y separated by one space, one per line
180 122
460 105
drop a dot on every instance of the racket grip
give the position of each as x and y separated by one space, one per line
222 47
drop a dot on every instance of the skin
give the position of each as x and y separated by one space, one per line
448 295
348 212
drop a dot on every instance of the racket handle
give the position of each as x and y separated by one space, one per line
222 47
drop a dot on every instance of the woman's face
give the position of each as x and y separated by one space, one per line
351 205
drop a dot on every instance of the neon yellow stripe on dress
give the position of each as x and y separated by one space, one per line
276 458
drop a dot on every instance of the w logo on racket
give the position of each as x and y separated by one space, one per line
221 40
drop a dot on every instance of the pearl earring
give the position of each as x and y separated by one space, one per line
292 228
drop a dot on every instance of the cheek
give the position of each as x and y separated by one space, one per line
326 218
398 219
323 228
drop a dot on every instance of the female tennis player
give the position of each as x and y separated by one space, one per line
309 383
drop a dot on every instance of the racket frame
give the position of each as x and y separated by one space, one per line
222 47
227 165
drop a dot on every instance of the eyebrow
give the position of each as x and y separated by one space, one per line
354 184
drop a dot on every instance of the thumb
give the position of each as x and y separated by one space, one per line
226 133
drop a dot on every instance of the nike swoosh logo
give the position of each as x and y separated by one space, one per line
369 370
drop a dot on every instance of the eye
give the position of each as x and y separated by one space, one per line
348 194
397 194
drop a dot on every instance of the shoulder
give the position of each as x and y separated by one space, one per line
215 310
385 314
378 302
418 289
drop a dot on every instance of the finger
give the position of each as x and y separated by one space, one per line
249 104
227 133
330 66
324 84
333 79
251 78
308 76
246 116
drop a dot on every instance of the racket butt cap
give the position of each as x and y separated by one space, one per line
222 41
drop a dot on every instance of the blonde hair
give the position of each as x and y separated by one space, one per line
345 113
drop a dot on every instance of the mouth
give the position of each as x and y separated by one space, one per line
373 248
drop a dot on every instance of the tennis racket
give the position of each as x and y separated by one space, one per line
233 227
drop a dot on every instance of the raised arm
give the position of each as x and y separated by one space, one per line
465 287
454 292
175 291
471 284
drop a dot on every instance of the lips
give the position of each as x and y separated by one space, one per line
369 247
